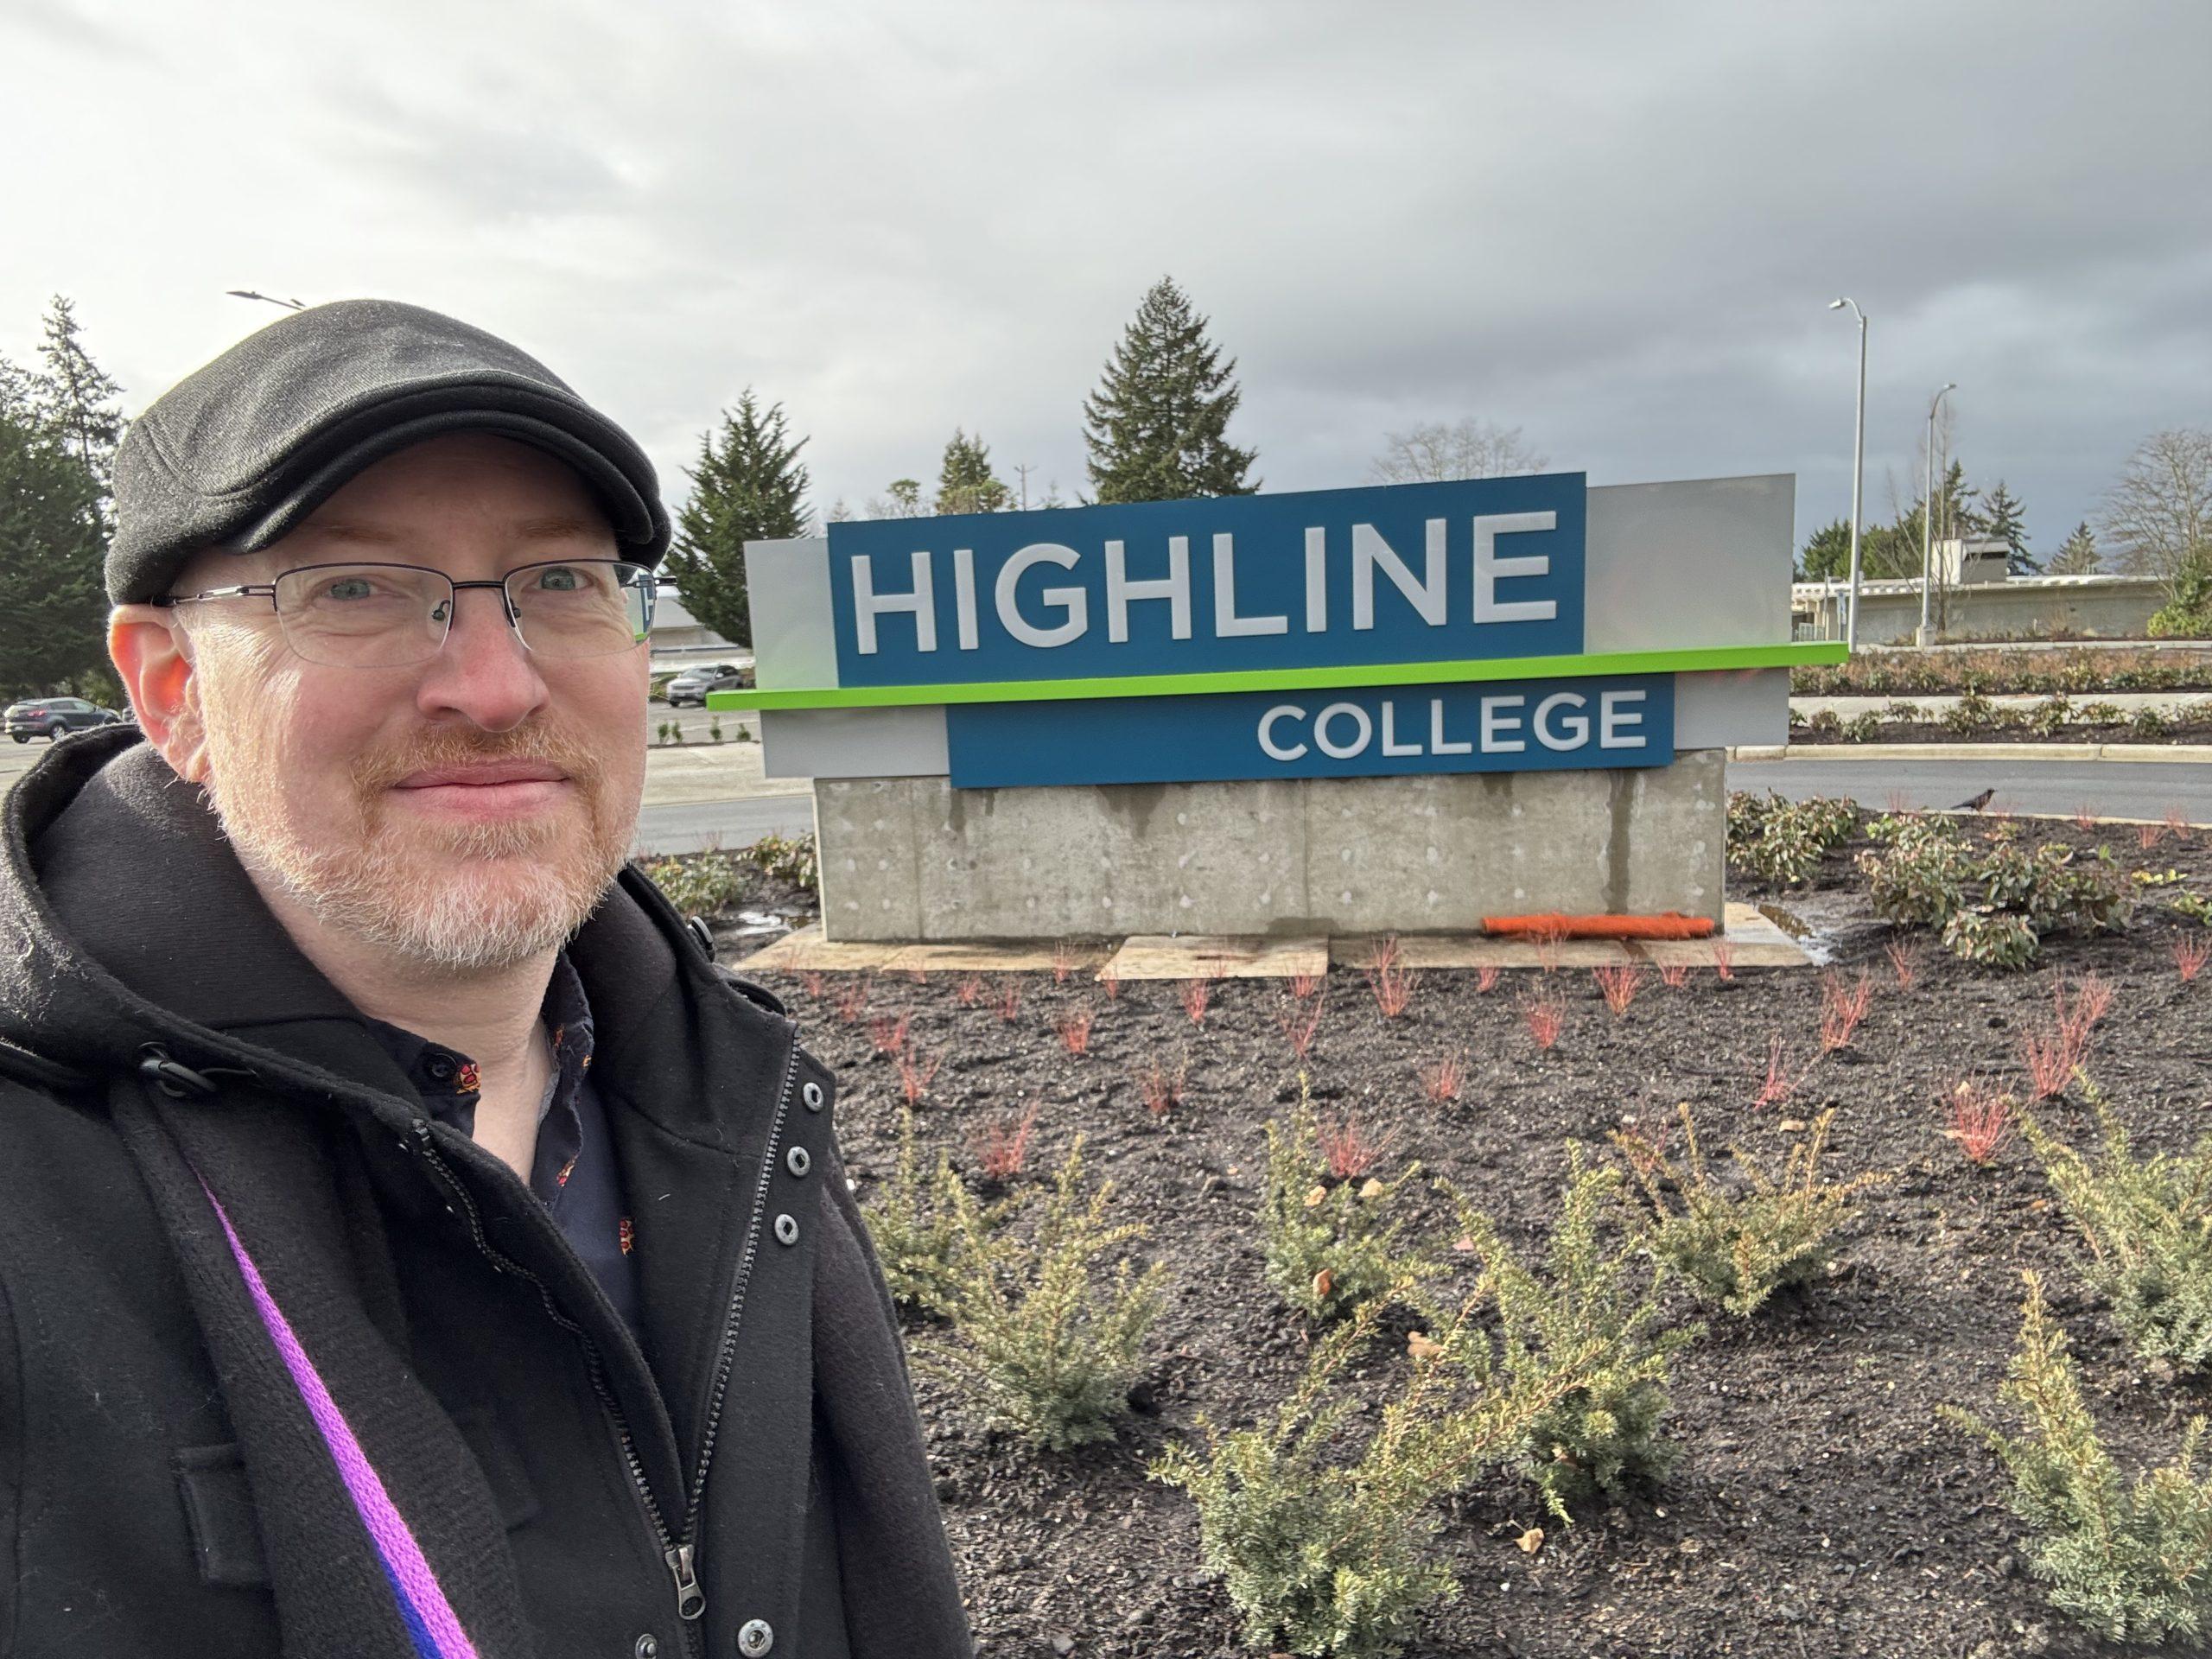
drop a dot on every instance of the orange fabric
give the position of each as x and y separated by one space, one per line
1670 925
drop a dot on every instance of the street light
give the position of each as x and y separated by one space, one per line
1857 472
1927 511
248 294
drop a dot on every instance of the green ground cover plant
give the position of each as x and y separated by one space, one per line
1330 1240
1991 899
1737 1246
1591 1303
1050 1346
2147 1224
1329 1552
2131 1559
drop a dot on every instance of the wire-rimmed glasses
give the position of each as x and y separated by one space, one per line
370 615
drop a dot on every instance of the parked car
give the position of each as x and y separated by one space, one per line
691 686
49 717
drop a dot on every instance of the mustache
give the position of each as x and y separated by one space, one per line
455 745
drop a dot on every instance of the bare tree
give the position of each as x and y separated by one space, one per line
1465 448
2158 518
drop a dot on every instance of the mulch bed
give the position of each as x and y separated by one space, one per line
1819 1506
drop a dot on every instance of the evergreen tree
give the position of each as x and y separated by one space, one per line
2077 555
1828 554
2006 520
75 397
52 546
1156 426
965 482
901 498
748 485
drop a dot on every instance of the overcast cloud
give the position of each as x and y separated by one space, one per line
1615 226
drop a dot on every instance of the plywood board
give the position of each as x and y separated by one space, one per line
1197 955
805 950
1030 958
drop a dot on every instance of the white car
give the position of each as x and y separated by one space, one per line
691 686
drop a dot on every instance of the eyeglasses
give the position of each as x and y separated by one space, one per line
389 615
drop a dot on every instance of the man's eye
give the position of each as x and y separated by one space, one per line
349 588
560 579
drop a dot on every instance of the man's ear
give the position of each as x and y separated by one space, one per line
153 654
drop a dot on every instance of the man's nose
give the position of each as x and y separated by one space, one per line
484 673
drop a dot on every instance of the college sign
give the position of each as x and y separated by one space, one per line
1241 637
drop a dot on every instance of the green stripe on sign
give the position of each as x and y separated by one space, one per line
1292 679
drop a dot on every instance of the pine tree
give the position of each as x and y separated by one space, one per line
2006 520
748 485
901 498
1156 426
76 398
965 482
52 546
1828 554
2077 555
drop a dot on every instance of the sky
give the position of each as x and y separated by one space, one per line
1615 226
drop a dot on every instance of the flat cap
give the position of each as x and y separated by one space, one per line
241 450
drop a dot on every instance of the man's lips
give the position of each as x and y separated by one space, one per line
484 775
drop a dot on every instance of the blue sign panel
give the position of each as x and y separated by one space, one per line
1488 725
1409 573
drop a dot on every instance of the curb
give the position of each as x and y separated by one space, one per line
2169 753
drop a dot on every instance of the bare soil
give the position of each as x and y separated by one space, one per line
1819 1507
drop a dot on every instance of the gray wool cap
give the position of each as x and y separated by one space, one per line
241 450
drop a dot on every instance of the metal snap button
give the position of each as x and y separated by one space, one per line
786 1233
755 1638
797 1161
812 1095
647 1647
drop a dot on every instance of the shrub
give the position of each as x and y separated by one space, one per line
1863 727
1992 903
1334 1558
2149 725
1992 939
1737 1249
1331 1241
2148 1224
1592 1307
1784 841
1842 1008
1973 713
2051 716
2191 951
916 1073
1300 1019
1196 997
1051 1350
1544 1015
1618 983
1162 1091
705 884
1440 1079
1001 1151
2131 1560
1981 1121
1826 724
787 858
2099 713
1905 713
914 1229
1073 1029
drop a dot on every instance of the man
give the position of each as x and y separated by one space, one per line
410 1242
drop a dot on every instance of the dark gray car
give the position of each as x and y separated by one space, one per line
49 717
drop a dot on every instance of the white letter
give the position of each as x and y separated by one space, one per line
1390 743
1368 549
1492 725
1266 732
1317 580
1436 743
963 595
1490 569
1578 725
1227 625
868 605
1342 751
1074 600
1175 587
1611 720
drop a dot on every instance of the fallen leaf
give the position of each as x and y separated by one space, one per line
1421 1347
1531 1541
1316 1195
1372 1189
1324 1282
1465 1243
1791 1125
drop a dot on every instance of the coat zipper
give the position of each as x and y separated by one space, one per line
679 1554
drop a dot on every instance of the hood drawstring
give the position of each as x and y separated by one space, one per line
177 1080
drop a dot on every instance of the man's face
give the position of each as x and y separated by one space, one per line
464 812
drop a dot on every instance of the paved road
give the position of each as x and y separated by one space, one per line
2111 789
691 826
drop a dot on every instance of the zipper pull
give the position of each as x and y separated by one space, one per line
691 1599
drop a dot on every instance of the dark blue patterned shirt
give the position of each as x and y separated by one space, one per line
573 1172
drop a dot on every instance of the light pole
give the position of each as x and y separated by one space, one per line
1928 510
248 294
1858 473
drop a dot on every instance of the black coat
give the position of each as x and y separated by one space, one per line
171 1064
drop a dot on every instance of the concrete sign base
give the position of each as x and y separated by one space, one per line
914 860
